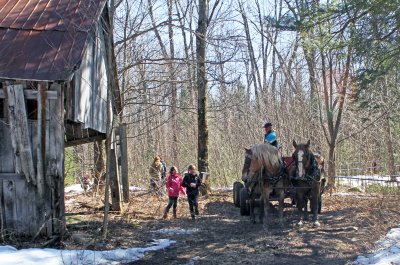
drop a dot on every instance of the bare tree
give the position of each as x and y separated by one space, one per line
201 35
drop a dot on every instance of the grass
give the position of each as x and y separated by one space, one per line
384 190
75 219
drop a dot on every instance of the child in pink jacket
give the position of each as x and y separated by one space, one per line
174 186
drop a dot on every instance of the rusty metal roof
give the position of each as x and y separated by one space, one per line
44 40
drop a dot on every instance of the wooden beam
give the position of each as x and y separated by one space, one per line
85 140
11 176
124 161
75 135
58 202
19 129
41 138
32 94
114 183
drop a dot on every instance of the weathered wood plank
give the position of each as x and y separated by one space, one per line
32 94
51 163
75 135
22 207
32 124
114 183
124 161
69 101
11 176
41 138
59 223
2 213
19 129
6 149
10 211
15 150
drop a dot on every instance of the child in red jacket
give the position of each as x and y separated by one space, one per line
174 186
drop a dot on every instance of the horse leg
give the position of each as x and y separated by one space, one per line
300 205
314 207
251 206
307 199
266 193
315 193
261 216
281 206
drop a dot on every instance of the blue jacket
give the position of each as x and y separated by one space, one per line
271 138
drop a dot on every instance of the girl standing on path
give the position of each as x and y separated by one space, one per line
174 186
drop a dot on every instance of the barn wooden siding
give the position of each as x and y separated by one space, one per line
90 85
32 159
54 75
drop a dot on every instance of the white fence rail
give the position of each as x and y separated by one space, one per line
362 174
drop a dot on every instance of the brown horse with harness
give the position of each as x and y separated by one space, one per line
266 178
264 173
305 177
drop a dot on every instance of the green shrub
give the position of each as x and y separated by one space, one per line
71 167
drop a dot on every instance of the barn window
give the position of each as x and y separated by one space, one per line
2 104
2 108
31 109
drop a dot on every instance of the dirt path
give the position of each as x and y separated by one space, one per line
350 225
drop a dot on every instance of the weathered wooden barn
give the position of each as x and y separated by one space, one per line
56 67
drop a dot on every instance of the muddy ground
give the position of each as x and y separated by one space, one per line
350 226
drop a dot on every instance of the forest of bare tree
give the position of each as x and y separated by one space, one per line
200 78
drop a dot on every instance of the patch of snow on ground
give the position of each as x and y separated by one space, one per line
388 251
170 231
36 256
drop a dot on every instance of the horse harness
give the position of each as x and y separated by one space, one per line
274 178
315 175
262 176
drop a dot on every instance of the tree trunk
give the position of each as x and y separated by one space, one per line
255 73
172 78
331 166
389 146
201 34
112 86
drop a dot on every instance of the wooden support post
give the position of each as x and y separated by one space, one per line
124 161
58 202
19 130
114 182
41 138
98 164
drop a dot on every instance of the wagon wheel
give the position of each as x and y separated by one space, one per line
237 186
244 210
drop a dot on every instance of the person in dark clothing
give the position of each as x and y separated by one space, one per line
191 181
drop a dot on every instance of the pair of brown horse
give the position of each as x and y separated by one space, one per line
264 173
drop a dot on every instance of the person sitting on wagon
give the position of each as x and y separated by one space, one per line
270 135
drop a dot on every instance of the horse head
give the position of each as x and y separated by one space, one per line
250 166
302 158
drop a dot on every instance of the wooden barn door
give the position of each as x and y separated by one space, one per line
31 172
